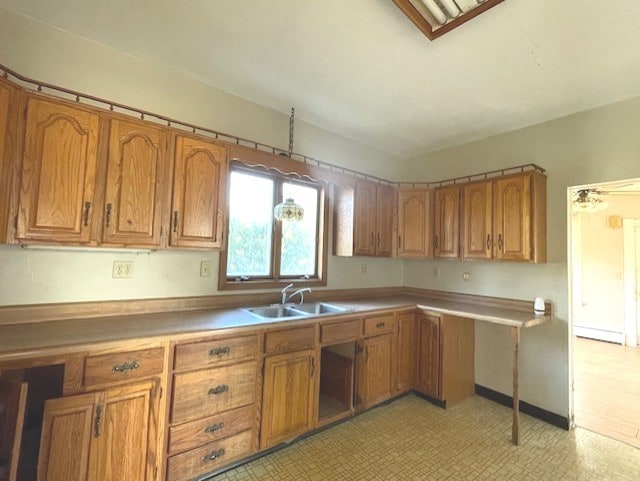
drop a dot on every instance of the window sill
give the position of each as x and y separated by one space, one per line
229 285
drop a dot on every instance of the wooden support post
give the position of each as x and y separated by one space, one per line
515 427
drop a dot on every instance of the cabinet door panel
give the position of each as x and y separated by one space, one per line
6 170
384 220
447 222
125 445
377 377
58 175
407 344
13 398
67 430
414 223
428 374
364 218
135 171
512 207
198 186
477 221
288 396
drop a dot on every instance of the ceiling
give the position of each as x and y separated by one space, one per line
362 69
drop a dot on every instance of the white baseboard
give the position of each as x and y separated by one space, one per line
599 334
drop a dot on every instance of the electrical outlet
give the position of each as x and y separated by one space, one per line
205 268
363 269
122 269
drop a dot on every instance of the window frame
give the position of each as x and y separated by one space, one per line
274 279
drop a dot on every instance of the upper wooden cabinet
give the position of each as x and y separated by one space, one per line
415 220
446 235
58 172
200 174
8 125
506 218
364 220
136 169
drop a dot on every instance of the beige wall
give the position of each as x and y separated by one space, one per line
54 56
595 146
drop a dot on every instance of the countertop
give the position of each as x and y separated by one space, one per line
21 341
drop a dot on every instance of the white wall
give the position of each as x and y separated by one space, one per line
54 56
599 267
595 146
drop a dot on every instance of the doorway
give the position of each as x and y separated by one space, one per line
603 258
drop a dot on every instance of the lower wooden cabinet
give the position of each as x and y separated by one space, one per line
406 349
103 436
428 367
288 401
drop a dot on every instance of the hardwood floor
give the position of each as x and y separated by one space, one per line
607 389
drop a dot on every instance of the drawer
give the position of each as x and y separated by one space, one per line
340 331
379 325
204 393
218 351
208 458
122 366
286 340
202 431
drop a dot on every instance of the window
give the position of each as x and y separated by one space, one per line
263 252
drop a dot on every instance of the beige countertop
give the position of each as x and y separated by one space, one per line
21 341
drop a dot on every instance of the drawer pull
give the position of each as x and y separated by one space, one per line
212 428
219 351
380 324
218 389
126 367
214 455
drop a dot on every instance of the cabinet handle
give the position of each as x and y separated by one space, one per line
380 324
107 215
85 214
214 455
97 422
219 351
218 389
435 241
313 366
378 239
366 354
126 367
373 241
175 221
399 242
500 241
488 241
212 428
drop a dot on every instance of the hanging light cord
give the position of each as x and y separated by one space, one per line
291 121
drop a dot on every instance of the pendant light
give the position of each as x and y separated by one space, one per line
289 210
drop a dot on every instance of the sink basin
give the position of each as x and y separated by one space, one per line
317 308
276 312
294 311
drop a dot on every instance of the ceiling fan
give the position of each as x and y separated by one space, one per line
590 200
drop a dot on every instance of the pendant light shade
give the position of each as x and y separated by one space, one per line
288 210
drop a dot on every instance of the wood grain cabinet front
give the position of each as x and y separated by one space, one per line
415 223
376 370
58 172
120 367
446 227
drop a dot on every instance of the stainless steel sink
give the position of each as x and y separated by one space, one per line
276 312
318 308
294 311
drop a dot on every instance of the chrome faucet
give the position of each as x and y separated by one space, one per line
299 292
284 293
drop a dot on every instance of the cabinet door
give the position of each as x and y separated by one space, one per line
364 235
13 399
377 371
6 171
124 443
446 238
407 344
477 221
512 223
68 428
384 220
288 396
58 173
200 174
136 169
428 374
414 223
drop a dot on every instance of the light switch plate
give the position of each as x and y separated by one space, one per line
205 268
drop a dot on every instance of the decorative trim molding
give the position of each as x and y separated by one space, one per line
526 408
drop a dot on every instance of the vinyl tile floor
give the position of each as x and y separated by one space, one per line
411 439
